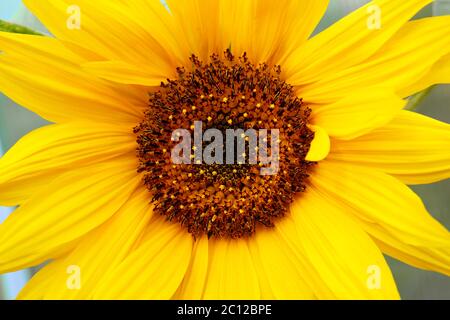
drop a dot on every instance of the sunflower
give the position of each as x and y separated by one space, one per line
99 198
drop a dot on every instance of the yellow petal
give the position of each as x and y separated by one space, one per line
381 199
283 273
423 256
280 27
100 251
290 23
35 288
345 257
268 31
413 148
358 113
109 28
194 281
263 282
439 73
197 24
427 258
236 24
287 230
47 152
40 74
349 41
404 59
231 273
64 211
154 270
160 21
320 146
125 73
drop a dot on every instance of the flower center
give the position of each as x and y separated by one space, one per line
223 147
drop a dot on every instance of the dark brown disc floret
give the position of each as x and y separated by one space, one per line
225 199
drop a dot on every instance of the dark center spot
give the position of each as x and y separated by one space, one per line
225 200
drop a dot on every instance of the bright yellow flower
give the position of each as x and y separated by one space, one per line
89 202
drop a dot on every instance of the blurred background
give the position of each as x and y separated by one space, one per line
16 121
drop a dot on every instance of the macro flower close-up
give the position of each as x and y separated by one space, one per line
222 149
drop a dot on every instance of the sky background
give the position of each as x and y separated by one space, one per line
8 8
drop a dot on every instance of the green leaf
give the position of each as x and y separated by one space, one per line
15 28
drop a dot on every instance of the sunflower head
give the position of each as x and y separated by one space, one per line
293 183
228 196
